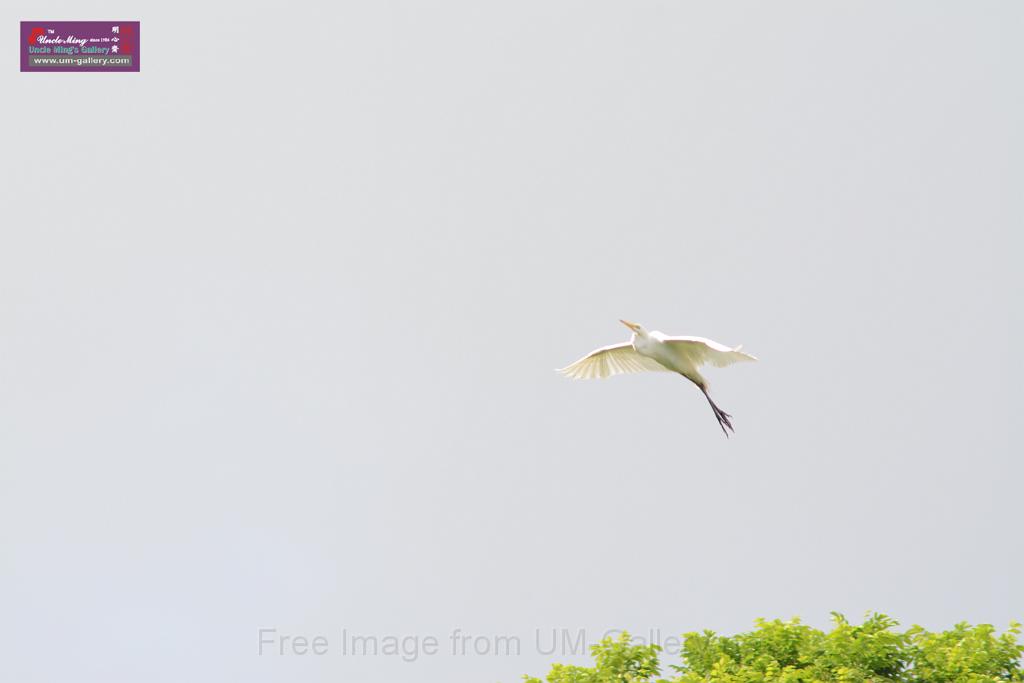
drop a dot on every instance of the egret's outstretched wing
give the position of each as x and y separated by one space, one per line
697 351
610 360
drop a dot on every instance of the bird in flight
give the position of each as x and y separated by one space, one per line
657 351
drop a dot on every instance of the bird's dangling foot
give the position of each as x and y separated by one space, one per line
720 415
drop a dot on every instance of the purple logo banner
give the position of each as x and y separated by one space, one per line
79 46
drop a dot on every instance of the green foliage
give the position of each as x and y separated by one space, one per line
966 654
791 652
615 661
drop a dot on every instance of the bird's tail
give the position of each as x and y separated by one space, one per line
720 415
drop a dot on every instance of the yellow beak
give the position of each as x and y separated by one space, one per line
630 325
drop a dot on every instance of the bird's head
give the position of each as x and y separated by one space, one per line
635 327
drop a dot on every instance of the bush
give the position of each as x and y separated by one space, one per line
790 652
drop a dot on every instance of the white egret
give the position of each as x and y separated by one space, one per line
657 351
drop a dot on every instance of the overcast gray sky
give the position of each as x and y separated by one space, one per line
278 319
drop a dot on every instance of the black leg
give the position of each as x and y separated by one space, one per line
720 415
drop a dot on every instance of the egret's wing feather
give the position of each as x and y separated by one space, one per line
697 351
611 360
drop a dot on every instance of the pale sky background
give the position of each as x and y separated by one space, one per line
278 319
